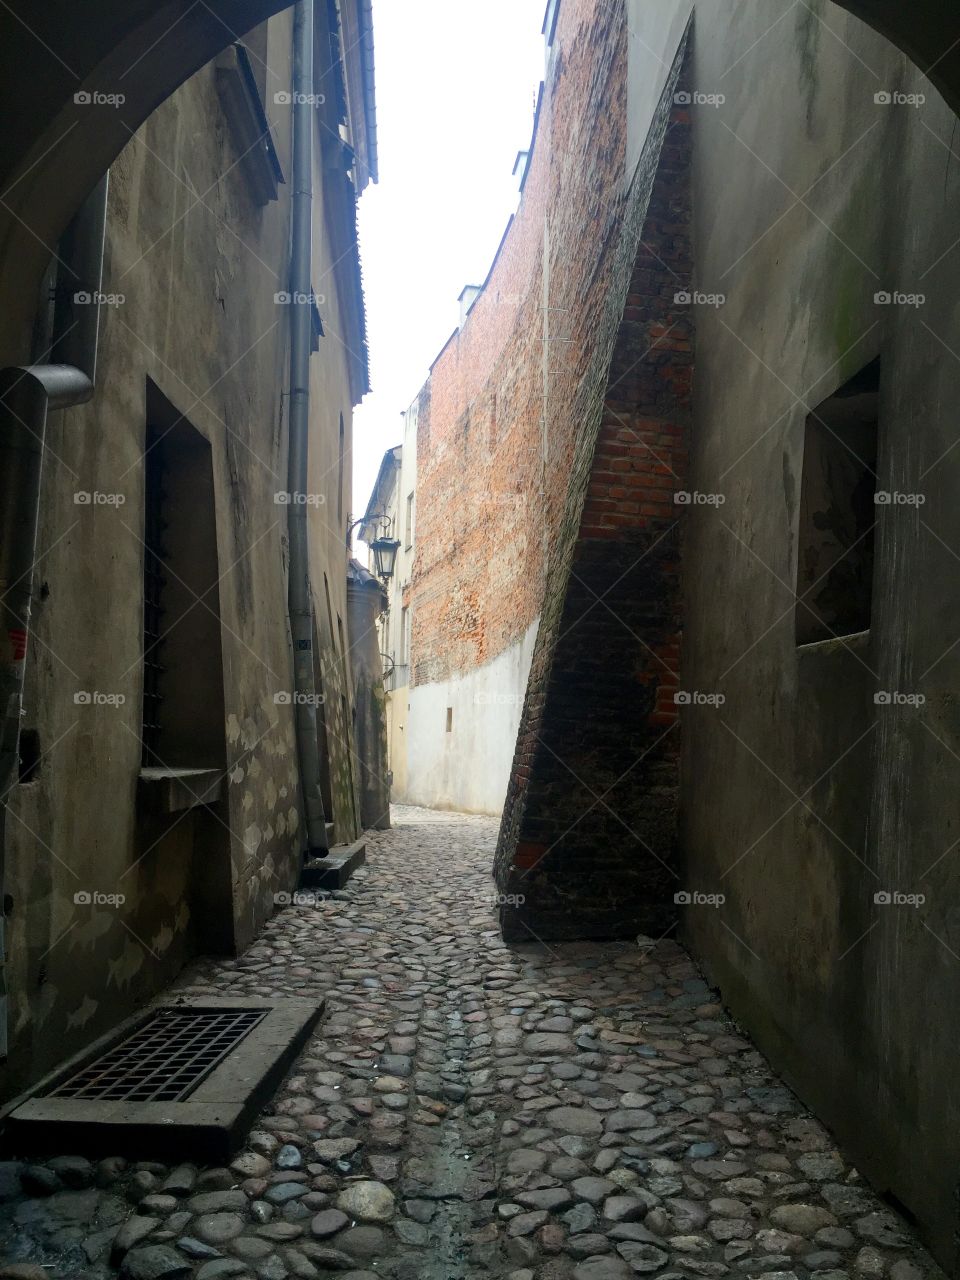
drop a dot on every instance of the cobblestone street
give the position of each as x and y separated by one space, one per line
579 1110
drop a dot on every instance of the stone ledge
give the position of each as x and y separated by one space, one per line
166 791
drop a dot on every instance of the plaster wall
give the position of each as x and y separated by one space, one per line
803 798
398 716
467 768
198 263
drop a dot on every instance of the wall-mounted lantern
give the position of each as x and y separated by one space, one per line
384 547
385 557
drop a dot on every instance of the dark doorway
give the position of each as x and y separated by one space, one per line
183 817
837 512
183 709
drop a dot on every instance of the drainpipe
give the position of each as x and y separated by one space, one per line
27 394
300 594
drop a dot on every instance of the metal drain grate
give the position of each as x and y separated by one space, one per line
165 1059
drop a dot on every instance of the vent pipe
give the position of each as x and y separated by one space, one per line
301 335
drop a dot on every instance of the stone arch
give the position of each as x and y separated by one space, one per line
927 31
53 150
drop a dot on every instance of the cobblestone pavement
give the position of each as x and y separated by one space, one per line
572 1112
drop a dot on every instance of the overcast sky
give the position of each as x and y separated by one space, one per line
456 88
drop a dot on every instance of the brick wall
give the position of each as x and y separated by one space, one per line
588 839
551 440
490 491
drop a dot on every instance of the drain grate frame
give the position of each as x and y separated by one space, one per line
163 1060
212 1115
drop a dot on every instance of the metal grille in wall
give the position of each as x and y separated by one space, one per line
165 1059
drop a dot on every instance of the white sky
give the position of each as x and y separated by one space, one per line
456 88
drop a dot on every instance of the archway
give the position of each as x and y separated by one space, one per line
927 31
53 150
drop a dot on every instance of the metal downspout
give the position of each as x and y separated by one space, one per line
300 594
27 394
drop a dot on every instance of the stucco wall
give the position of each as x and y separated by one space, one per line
653 37
803 798
198 263
398 714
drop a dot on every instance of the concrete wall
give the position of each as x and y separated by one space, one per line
198 263
804 798
468 767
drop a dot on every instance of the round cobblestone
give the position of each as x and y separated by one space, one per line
582 1111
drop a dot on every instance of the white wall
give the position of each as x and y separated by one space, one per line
468 768
654 37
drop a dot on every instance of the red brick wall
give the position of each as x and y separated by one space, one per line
589 832
551 442
488 504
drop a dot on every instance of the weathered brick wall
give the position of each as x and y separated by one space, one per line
588 839
500 414
551 441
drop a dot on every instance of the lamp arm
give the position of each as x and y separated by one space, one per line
381 518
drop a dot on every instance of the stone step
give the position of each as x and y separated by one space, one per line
334 870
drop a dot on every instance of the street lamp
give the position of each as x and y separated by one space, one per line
385 556
384 548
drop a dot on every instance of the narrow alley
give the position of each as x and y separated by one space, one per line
466 1108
